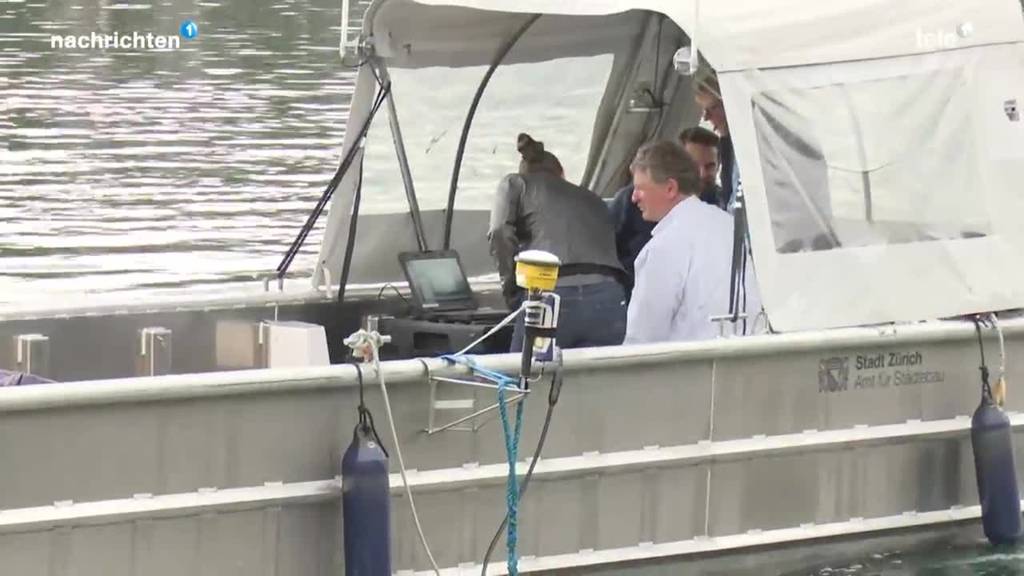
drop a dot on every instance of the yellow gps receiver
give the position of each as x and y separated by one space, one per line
537 273
536 270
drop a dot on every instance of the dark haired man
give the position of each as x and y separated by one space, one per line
701 145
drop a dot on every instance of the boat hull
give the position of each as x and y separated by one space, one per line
656 454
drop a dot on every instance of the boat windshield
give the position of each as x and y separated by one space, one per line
555 101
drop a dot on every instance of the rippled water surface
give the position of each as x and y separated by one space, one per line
966 554
145 170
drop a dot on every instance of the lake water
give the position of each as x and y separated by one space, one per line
129 172
125 170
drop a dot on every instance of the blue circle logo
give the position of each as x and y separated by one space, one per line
188 30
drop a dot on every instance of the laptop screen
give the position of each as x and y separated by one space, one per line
437 281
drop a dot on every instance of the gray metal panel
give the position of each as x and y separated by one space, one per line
783 394
606 410
299 540
958 394
679 500
561 529
865 482
762 395
581 512
95 453
446 521
764 493
582 421
26 554
586 508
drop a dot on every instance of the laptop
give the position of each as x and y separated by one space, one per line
439 286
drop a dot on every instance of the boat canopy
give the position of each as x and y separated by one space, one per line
731 34
879 144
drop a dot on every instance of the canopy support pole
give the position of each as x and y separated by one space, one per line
403 159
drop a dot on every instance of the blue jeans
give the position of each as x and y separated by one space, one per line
589 315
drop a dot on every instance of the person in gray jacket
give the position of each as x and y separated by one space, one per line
537 209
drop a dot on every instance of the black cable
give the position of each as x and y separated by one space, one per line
460 152
376 75
657 63
353 226
357 66
359 377
553 394
743 290
526 358
737 256
392 286
346 163
365 416
986 390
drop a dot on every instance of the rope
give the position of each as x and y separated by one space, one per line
366 345
366 423
469 362
999 388
1002 345
512 432
512 485
553 393
986 390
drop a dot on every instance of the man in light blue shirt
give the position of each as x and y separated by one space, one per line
683 273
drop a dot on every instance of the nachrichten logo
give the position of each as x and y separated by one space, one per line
126 41
188 30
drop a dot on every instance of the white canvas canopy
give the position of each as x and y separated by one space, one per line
879 143
884 190
732 34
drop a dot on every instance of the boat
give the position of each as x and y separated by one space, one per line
882 151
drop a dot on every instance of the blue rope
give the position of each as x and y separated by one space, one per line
512 433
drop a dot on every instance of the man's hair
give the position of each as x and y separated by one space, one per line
699 135
664 160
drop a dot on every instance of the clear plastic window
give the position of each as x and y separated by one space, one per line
556 102
886 161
